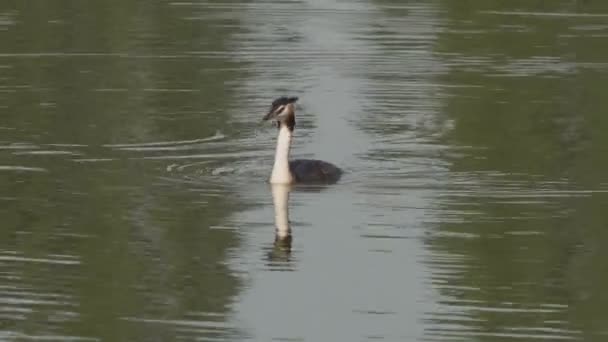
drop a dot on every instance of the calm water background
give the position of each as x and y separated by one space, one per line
133 202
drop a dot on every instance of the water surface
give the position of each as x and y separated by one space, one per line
133 168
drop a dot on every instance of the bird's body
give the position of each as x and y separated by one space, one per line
285 171
314 171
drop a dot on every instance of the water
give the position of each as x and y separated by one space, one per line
133 163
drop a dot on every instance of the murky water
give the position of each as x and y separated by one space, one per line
133 164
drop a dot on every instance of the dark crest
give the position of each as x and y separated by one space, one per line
282 101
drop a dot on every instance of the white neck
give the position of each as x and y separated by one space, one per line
280 170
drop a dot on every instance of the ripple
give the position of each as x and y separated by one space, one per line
214 325
58 261
93 160
21 168
66 145
219 155
7 19
48 153
18 146
21 336
548 14
188 323
161 145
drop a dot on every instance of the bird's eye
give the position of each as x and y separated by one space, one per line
279 109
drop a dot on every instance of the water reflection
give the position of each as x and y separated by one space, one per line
279 256
281 249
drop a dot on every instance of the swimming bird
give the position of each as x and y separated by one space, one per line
284 171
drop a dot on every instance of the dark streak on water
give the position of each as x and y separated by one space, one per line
133 166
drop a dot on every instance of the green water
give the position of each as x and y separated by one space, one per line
133 165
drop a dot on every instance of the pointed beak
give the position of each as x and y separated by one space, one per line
270 115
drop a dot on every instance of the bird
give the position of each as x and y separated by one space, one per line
299 171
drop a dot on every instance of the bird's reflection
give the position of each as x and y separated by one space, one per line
279 256
281 249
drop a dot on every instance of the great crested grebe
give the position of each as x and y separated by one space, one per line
284 171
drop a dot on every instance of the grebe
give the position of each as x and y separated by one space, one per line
285 171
